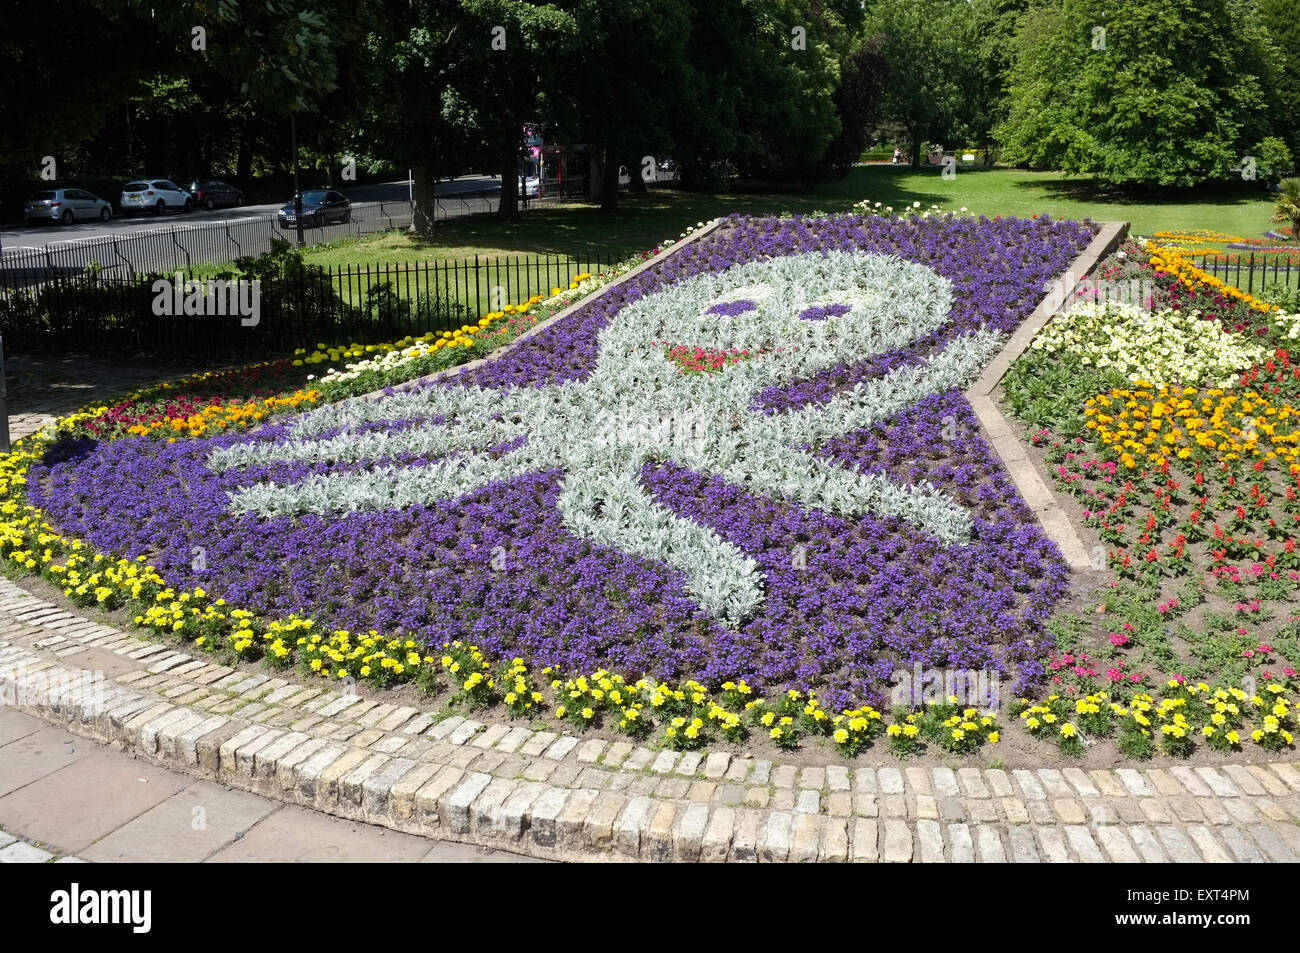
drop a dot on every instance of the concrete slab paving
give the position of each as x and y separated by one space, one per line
15 725
188 827
33 756
21 853
296 835
80 803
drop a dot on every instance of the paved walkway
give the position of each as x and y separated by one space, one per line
552 796
66 799
40 388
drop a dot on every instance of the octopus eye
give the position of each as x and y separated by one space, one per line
820 312
737 301
729 309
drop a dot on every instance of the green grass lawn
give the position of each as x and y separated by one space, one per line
644 220
1237 208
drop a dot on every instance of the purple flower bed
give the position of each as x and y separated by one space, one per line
876 594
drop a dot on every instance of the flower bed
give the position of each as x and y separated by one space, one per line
727 500
1188 473
800 548
730 499
1155 347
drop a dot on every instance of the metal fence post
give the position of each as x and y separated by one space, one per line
116 251
4 401
177 243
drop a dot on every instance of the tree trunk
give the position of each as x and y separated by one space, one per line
595 175
509 158
425 212
636 184
244 163
609 181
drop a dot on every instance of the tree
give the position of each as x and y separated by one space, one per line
619 91
1150 92
412 52
926 44
1281 23
502 79
864 75
44 91
445 89
993 25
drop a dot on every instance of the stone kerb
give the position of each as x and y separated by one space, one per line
1005 438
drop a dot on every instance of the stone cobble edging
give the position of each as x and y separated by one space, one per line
560 796
1002 436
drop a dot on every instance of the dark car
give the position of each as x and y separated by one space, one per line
209 193
319 207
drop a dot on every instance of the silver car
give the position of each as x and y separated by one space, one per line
153 195
66 206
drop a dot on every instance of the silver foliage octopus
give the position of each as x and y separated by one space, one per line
793 315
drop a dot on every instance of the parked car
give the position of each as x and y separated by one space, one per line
156 195
209 193
319 207
66 206
530 187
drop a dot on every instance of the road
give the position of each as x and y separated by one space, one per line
14 237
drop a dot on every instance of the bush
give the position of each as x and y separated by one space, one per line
1273 159
1286 298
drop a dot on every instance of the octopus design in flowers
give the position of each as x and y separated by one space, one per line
788 317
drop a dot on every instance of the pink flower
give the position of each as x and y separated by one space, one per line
1118 639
